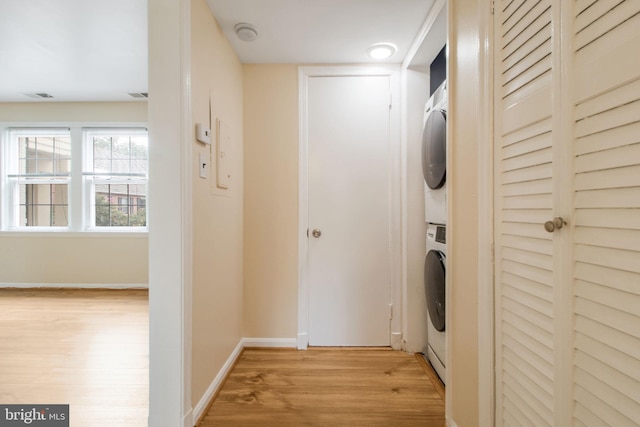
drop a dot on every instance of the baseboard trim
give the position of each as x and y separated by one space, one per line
270 342
451 423
207 399
303 341
187 420
74 285
396 340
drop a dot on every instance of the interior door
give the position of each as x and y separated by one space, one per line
349 217
567 158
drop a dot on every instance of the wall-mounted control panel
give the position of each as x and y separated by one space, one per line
203 133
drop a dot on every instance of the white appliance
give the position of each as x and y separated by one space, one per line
434 156
435 265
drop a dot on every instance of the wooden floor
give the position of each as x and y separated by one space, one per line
319 387
87 348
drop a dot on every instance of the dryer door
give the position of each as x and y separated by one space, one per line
434 149
434 278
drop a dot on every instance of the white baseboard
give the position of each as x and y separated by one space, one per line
187 420
202 405
75 285
303 341
451 423
396 340
199 409
270 342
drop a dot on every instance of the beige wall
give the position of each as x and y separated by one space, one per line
90 259
217 218
271 200
73 111
73 260
464 99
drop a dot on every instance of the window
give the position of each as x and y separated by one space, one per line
73 178
117 170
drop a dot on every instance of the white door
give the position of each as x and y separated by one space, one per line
348 195
567 298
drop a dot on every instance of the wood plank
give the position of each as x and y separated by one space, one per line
326 388
87 348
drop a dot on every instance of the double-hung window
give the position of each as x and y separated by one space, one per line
116 171
38 177
73 179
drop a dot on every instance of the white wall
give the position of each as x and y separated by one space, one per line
90 259
462 261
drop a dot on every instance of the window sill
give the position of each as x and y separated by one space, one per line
61 234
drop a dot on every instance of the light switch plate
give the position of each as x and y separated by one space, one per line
204 166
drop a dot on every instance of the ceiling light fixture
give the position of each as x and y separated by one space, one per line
381 51
246 32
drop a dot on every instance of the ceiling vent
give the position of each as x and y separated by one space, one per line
138 94
38 95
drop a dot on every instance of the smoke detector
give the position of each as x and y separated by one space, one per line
246 32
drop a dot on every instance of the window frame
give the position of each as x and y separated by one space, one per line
79 203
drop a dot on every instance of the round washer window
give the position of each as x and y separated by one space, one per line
434 277
434 149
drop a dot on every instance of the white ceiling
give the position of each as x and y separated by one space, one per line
91 50
320 31
75 50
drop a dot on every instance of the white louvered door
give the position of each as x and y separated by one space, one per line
606 152
567 144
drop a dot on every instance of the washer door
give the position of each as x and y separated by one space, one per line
434 279
434 149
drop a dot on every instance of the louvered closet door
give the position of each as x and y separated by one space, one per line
524 89
606 154
567 143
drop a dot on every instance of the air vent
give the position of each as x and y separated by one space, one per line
38 95
138 94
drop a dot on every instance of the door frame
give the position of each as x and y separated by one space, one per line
395 208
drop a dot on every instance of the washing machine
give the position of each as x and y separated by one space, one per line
435 265
434 156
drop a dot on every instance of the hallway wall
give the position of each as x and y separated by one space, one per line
271 200
217 215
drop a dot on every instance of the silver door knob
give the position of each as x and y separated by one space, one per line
316 233
556 224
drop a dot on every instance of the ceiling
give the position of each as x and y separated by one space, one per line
88 50
320 31
75 50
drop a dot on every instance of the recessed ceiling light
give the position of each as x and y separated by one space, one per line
246 32
381 51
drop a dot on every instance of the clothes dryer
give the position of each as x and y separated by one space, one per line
434 156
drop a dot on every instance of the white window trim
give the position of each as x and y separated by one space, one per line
78 211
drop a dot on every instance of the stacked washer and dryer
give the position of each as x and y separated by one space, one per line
434 168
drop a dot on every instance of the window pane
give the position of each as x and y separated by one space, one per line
118 205
44 155
44 205
120 154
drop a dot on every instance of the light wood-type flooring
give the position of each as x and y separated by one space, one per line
328 387
87 348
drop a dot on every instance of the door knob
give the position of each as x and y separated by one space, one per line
557 223
316 233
